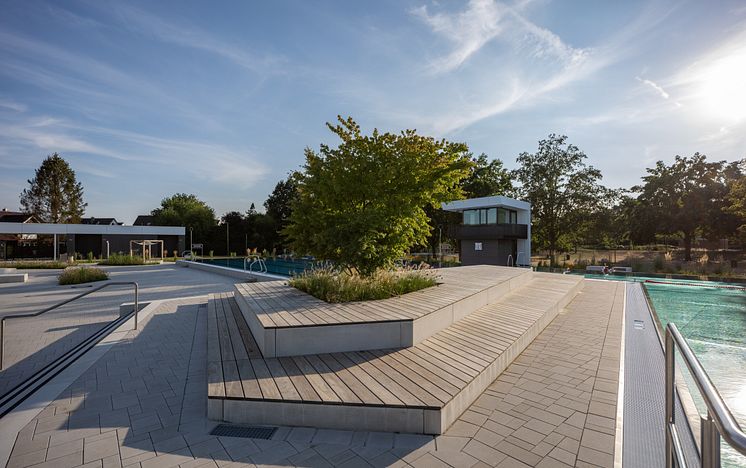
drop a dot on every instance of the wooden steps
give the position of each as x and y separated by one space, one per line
288 322
420 389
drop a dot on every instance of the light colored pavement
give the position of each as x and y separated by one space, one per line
34 342
144 404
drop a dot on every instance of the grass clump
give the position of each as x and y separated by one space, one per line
332 286
121 260
82 275
35 265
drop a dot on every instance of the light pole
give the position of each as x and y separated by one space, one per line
191 240
440 246
227 239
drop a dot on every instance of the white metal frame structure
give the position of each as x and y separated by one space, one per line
145 247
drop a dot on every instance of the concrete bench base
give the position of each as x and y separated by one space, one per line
14 278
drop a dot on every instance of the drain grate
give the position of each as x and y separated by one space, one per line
247 432
639 325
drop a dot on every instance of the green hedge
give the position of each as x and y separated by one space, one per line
119 260
41 265
82 275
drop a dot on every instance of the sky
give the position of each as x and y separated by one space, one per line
219 99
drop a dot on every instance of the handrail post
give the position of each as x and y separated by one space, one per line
2 341
710 438
137 304
670 399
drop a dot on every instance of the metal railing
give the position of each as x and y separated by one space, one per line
255 260
719 420
60 304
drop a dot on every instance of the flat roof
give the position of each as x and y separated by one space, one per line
486 202
48 228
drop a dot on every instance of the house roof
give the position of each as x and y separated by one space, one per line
143 220
16 217
100 221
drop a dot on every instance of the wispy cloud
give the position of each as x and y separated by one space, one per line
658 88
12 105
191 36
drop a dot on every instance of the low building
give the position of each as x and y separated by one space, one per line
101 221
98 239
143 220
493 231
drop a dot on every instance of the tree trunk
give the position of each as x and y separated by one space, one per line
687 247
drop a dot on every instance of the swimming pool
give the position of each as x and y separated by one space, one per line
712 318
278 266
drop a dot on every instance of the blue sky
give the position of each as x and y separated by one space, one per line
146 99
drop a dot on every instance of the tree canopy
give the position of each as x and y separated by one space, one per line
683 198
487 178
562 191
362 204
54 195
186 210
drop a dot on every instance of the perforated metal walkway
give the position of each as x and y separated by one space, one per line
644 398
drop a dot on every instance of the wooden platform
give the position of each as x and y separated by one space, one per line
418 389
288 322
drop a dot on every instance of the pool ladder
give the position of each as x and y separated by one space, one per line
255 260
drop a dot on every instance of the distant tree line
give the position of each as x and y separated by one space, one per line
383 175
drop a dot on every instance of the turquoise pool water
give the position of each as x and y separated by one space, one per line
712 318
275 266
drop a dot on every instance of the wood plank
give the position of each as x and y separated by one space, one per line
446 370
319 384
302 385
226 348
233 388
362 392
408 398
264 379
383 394
413 387
215 382
333 380
252 349
422 377
213 341
239 350
249 382
283 382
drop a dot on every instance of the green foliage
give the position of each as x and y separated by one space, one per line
487 178
188 211
122 260
54 195
562 191
82 275
362 204
331 286
90 256
35 265
684 198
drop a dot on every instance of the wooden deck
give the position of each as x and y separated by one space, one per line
288 322
421 389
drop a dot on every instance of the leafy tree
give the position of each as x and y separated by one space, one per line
562 190
54 195
278 207
683 198
188 211
362 204
487 178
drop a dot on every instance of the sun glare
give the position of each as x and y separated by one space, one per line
723 87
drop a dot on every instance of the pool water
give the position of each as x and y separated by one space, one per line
713 321
276 266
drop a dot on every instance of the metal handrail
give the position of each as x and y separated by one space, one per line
255 259
60 304
719 421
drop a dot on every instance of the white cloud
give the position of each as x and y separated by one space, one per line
659 89
12 105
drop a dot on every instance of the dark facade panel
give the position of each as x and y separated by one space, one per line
493 252
490 231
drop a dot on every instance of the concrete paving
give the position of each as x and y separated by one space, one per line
31 343
143 404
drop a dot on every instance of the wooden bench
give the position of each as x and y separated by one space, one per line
418 389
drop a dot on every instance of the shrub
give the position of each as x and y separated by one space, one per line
35 265
82 275
120 260
90 256
331 286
